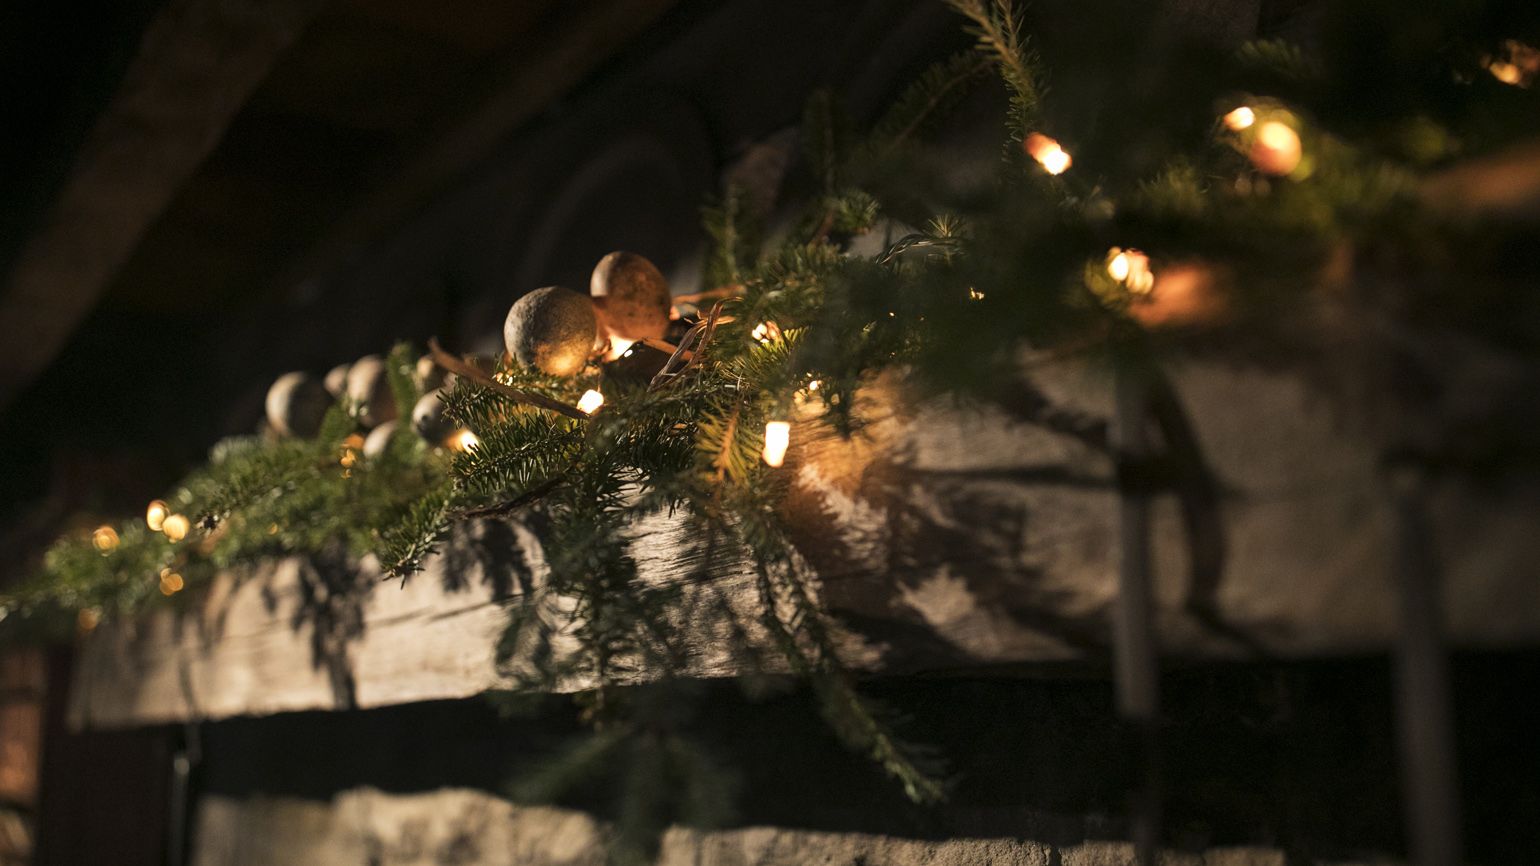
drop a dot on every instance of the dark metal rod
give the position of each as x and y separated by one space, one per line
1424 714
1135 663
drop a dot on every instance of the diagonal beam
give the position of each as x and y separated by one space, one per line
524 84
197 64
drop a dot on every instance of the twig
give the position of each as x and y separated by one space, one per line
460 368
498 509
730 291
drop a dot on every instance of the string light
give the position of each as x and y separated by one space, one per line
155 514
1131 268
975 294
815 385
1048 153
764 332
462 440
590 402
1518 66
1276 149
777 437
619 348
175 526
104 539
1241 118
170 582
88 619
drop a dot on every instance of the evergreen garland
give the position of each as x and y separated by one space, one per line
1029 260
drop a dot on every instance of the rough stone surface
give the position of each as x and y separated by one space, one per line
296 404
369 386
551 329
635 296
472 828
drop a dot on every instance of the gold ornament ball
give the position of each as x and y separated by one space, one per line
296 404
369 388
632 296
552 330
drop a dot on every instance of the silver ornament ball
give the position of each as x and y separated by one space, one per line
336 380
369 388
296 405
428 418
379 439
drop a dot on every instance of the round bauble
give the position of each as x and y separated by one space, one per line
429 375
551 329
336 380
379 439
428 418
369 389
296 405
632 296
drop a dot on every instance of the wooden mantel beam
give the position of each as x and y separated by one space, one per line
197 64
945 538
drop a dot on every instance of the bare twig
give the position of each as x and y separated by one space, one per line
466 371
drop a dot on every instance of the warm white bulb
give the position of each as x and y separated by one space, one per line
777 437
175 526
1117 265
104 539
618 348
1048 153
590 402
766 331
155 514
1241 118
462 440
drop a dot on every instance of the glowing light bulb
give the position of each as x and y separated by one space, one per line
619 346
777 438
104 539
1518 66
1241 118
462 440
175 526
170 582
1117 264
814 385
88 618
354 441
1276 149
1131 268
1048 153
766 331
975 294
590 402
155 514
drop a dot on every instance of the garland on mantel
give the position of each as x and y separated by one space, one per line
1279 204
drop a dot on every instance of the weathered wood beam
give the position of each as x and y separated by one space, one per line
946 539
198 62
